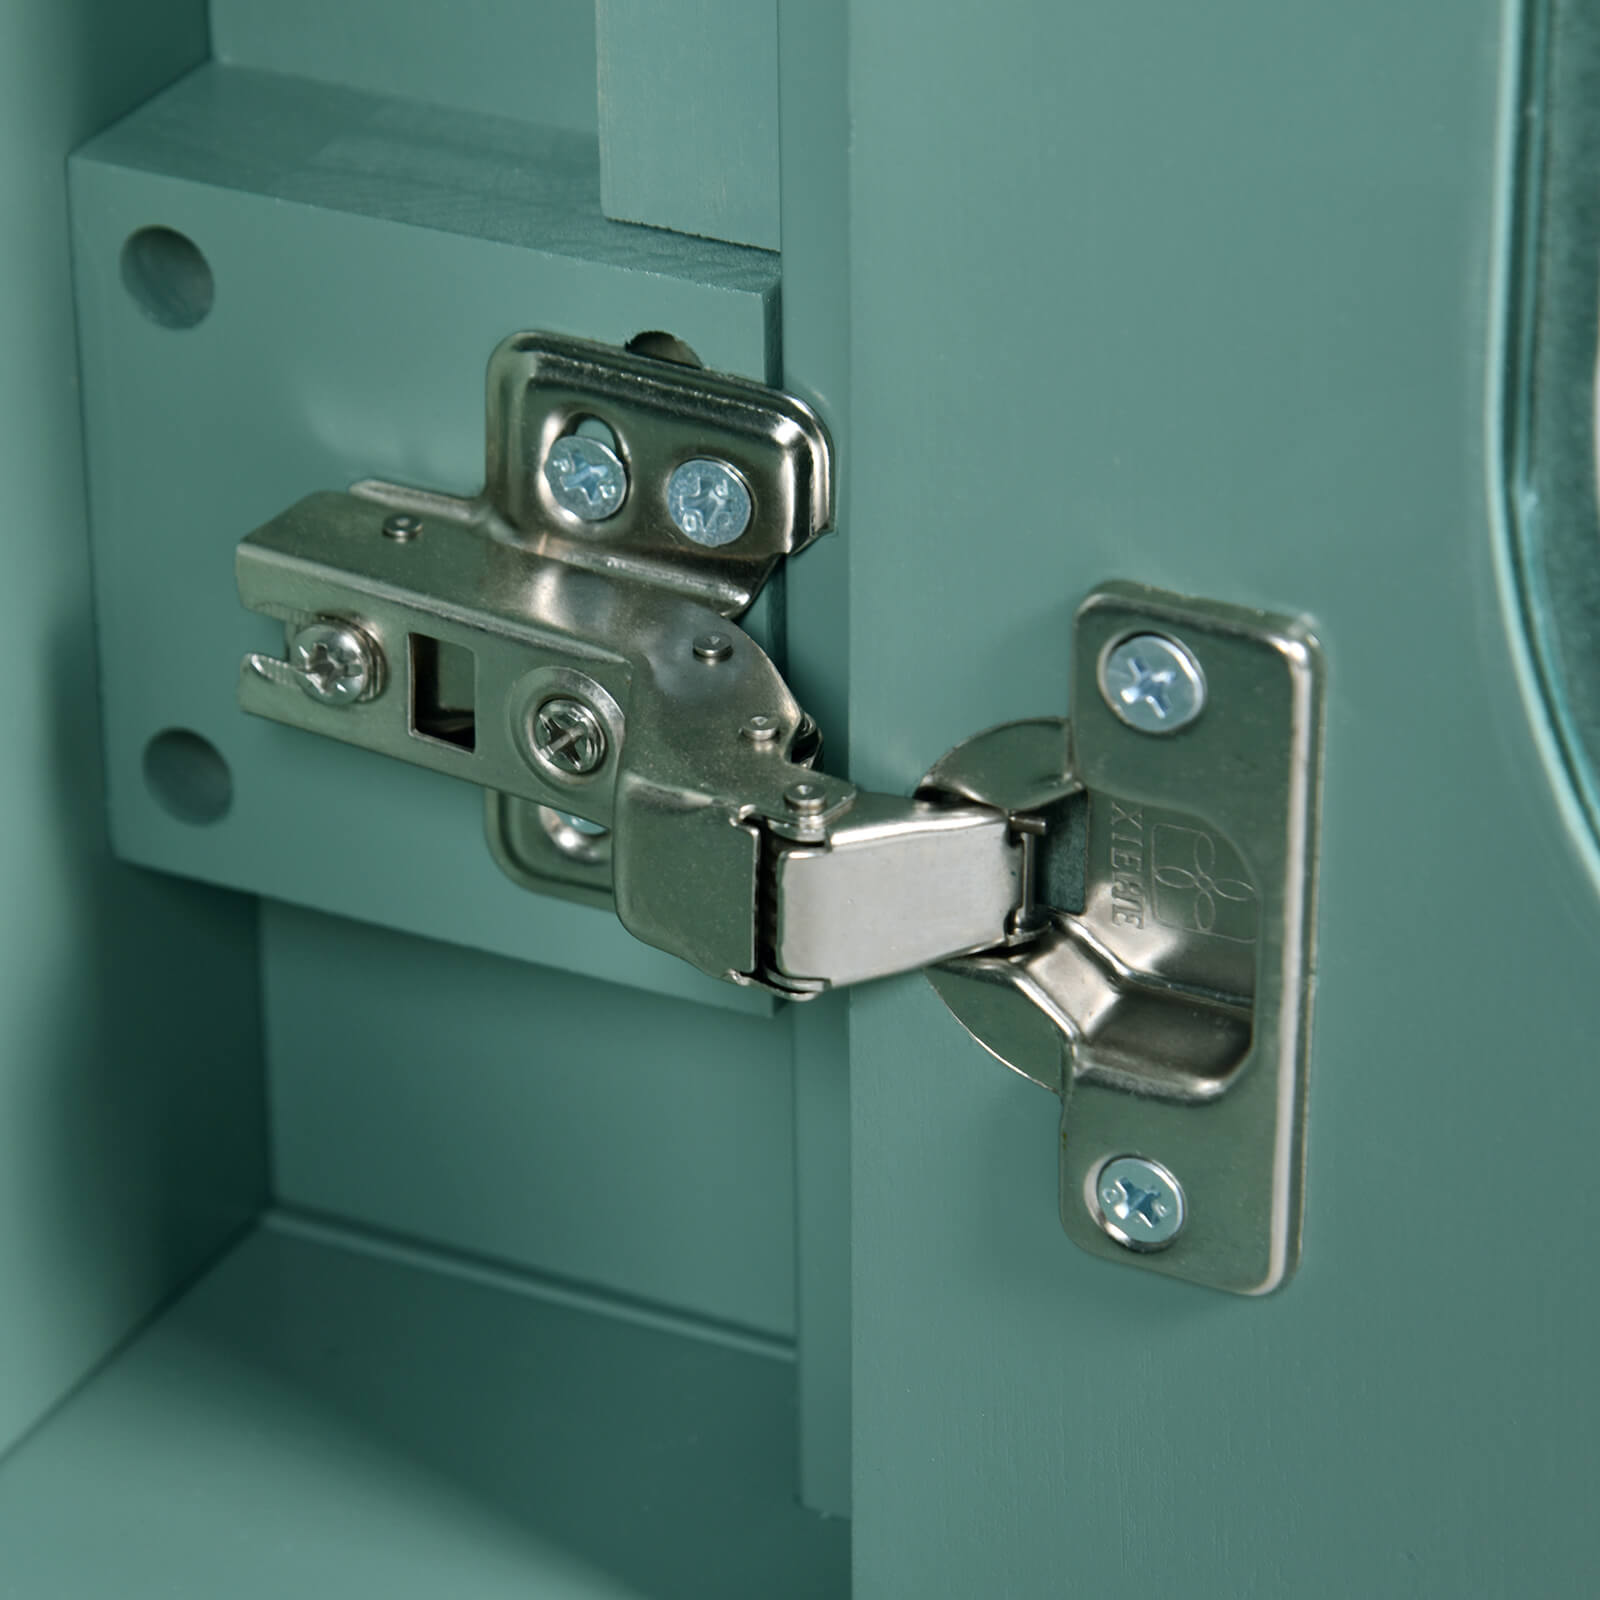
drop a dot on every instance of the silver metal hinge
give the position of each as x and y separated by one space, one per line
1117 904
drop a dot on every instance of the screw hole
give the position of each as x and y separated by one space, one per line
188 776
168 277
578 839
594 428
663 347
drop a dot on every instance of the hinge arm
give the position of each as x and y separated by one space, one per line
894 885
728 849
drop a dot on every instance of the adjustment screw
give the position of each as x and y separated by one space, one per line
806 798
709 501
1153 683
1138 1202
759 730
335 662
713 647
402 527
586 477
569 737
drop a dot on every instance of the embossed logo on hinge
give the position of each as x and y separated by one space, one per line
1127 865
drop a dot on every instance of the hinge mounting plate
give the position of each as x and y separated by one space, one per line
1169 1004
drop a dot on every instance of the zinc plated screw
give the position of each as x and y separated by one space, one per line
1138 1202
586 477
709 501
569 736
335 662
1153 683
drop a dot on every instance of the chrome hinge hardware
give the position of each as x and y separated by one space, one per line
1117 906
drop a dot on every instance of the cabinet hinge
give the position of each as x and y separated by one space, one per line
1117 904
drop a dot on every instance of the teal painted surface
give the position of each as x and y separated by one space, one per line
475 176
130 1096
1221 284
566 1126
814 128
822 1251
314 1421
530 59
368 255
688 97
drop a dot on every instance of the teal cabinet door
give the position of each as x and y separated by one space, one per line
1215 298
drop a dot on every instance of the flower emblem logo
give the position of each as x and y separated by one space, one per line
1200 886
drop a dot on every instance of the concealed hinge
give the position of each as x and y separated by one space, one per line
1117 905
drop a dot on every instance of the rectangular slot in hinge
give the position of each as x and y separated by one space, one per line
443 692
